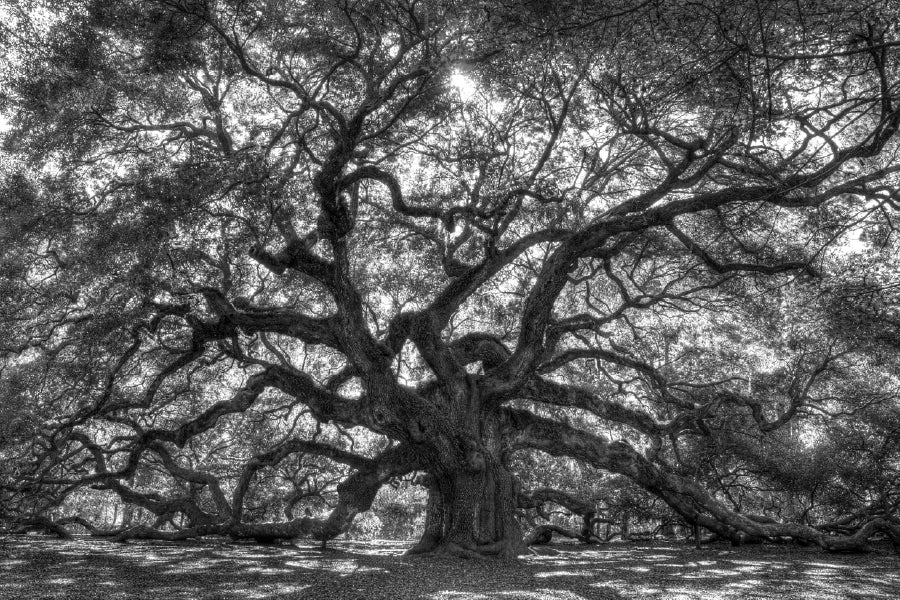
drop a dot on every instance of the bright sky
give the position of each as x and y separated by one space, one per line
464 85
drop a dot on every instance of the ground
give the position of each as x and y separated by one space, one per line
42 567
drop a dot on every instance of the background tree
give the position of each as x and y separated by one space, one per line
242 234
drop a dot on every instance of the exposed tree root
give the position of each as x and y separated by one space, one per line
457 550
423 546
503 549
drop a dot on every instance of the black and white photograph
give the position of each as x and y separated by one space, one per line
450 299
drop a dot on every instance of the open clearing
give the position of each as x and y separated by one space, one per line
40 567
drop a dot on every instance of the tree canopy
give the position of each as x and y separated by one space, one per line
259 252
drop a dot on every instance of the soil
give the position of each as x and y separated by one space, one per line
86 568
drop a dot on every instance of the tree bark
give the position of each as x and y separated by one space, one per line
472 495
472 513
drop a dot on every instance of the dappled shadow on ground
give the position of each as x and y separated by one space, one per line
38 567
678 572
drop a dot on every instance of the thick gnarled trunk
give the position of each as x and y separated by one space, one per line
472 513
472 495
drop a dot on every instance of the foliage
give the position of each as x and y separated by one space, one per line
262 258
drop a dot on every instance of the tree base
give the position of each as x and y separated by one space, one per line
501 549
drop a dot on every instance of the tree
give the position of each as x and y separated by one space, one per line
240 233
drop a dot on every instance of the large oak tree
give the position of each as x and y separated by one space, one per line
634 235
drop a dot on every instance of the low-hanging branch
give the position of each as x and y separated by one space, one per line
686 497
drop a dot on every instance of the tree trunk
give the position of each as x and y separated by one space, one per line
472 495
472 513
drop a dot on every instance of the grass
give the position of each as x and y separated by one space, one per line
41 567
